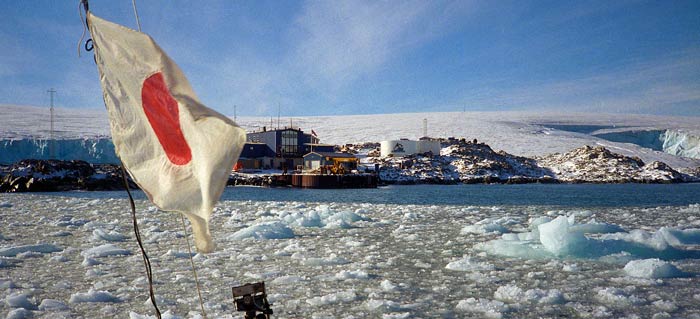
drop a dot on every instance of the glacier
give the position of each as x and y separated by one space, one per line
681 144
98 150
674 142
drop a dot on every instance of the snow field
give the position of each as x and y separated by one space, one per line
75 257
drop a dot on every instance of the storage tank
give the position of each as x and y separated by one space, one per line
425 146
398 148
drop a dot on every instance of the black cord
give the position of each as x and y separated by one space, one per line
146 261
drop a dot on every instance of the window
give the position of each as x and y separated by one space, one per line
289 145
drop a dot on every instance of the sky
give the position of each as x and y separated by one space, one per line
338 57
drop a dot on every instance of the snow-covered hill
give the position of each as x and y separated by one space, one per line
518 133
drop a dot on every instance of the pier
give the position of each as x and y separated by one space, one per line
326 181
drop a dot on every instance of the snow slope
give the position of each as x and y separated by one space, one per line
518 133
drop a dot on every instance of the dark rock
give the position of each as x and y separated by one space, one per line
55 175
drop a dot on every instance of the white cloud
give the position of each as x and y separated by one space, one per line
340 41
665 85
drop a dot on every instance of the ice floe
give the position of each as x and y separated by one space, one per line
38 248
93 296
105 251
652 268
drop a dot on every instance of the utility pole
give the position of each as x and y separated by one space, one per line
51 144
279 114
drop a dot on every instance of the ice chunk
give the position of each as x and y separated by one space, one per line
87 262
333 259
333 298
93 296
514 294
618 298
20 301
59 259
484 229
381 305
352 274
7 283
556 237
112 236
266 230
488 308
489 226
8 262
652 268
286 280
105 250
669 306
38 248
388 286
19 313
165 315
469 264
323 216
178 254
52 305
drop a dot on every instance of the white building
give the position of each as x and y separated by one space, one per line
405 147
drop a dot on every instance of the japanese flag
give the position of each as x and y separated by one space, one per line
177 150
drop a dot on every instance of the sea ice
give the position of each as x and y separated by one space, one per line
652 268
265 230
563 237
333 298
112 236
488 308
19 313
469 264
38 248
104 251
619 298
52 305
368 270
93 296
20 300
514 294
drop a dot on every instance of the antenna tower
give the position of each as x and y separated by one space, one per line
425 127
51 144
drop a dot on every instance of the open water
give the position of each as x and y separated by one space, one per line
565 195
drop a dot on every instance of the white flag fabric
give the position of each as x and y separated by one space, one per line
177 150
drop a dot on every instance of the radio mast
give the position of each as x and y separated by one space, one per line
51 144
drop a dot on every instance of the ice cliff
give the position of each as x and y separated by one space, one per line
99 150
681 143
674 142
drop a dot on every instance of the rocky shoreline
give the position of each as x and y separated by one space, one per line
57 176
460 162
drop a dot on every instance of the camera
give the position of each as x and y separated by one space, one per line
252 299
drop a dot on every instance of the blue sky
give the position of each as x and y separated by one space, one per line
363 57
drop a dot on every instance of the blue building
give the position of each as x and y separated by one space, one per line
279 148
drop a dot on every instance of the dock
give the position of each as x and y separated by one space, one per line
326 181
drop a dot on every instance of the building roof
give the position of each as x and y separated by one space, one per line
333 154
318 144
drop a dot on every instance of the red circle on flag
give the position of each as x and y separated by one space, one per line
163 114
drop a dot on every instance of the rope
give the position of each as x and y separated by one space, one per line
146 261
194 271
136 13
82 20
